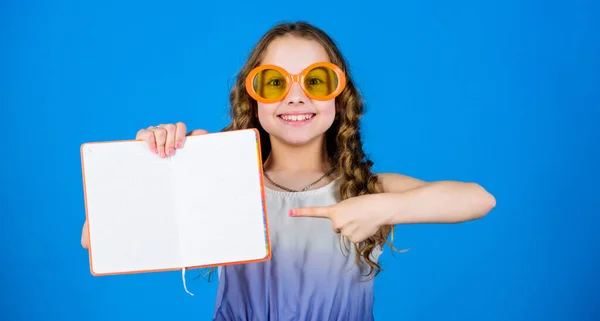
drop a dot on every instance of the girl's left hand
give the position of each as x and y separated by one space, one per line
356 218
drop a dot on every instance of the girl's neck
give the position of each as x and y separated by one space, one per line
308 158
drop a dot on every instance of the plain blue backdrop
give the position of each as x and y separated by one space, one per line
504 93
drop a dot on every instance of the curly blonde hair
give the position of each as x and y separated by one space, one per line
343 140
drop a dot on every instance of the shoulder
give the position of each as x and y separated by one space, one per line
396 183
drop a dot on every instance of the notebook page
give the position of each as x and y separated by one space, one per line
219 199
130 209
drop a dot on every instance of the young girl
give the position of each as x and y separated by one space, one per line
329 215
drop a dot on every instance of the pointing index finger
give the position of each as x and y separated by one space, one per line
317 211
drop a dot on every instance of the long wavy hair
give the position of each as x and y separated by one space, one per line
343 140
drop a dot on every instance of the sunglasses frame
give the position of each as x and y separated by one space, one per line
299 78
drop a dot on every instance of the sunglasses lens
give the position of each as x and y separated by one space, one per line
269 84
321 81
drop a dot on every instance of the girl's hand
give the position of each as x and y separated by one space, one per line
164 139
356 218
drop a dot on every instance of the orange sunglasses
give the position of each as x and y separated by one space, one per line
320 81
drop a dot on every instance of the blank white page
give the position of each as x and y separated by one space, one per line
219 199
130 210
202 206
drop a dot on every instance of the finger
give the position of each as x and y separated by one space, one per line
179 134
318 211
349 231
197 132
148 137
354 233
160 135
170 139
336 227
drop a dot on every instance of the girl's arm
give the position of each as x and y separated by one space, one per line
409 200
404 200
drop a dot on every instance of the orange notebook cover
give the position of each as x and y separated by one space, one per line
202 207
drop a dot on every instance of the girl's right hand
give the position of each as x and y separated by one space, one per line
164 139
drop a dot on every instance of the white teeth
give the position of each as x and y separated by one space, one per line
297 117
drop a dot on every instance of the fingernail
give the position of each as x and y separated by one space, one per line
291 213
162 154
178 145
170 151
153 150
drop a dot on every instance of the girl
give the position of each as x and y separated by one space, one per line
329 215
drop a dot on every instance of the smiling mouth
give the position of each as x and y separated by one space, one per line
298 118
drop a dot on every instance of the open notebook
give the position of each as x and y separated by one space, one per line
202 207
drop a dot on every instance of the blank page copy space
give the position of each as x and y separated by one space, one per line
219 199
130 210
202 206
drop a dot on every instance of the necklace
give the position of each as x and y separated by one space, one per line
305 188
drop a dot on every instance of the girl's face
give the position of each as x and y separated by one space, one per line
297 119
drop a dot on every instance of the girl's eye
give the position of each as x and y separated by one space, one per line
314 81
275 82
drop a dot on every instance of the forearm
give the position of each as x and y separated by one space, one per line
437 202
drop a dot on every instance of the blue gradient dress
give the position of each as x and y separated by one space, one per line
311 275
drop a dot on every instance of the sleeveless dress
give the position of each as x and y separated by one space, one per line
311 275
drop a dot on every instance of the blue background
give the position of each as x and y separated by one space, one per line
504 93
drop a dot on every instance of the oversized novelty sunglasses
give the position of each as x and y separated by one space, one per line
319 81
